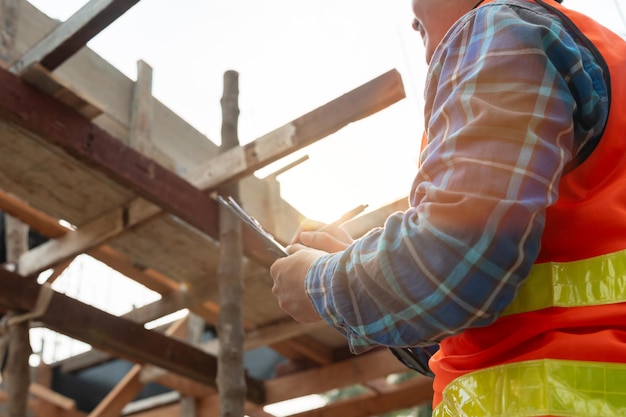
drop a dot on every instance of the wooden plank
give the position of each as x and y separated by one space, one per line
357 104
115 335
39 76
210 406
54 251
130 386
185 385
310 348
174 297
99 82
70 36
36 219
85 238
49 179
18 349
173 193
306 347
353 371
46 394
65 128
141 111
83 360
147 277
123 393
163 411
50 227
43 376
4 397
142 118
412 393
195 331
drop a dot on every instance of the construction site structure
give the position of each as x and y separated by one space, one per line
97 166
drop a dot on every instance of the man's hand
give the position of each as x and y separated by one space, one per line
317 235
289 275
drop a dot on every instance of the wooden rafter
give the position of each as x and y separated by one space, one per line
415 392
166 190
70 36
355 370
115 335
131 385
173 297
355 105
362 101
90 145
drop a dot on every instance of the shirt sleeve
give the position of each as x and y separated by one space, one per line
500 99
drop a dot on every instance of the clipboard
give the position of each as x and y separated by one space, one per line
271 243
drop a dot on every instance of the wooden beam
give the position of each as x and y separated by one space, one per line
147 277
208 407
283 330
412 393
355 370
142 120
77 135
130 386
89 236
40 77
83 360
329 118
115 335
17 370
174 298
141 110
63 127
46 394
70 36
58 250
122 394
262 336
168 410
195 331
36 219
304 346
184 386
355 105
51 228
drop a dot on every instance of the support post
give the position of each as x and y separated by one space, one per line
230 375
19 350
195 329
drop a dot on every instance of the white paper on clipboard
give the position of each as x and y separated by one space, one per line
271 243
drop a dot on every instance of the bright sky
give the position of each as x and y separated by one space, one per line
292 56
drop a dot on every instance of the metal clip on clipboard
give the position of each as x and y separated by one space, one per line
271 243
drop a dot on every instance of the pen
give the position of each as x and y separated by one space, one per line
344 218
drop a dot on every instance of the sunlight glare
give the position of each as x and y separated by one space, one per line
296 405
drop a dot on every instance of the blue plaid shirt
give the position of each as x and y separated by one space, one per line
510 97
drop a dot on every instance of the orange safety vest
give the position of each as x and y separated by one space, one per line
560 348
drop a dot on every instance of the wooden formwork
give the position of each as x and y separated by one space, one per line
139 198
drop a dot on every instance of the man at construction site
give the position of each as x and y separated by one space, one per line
510 263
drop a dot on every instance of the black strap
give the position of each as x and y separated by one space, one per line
590 145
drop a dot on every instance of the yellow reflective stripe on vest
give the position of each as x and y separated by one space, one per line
538 388
593 281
